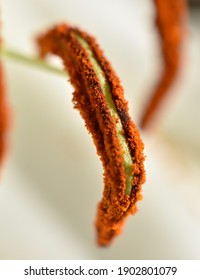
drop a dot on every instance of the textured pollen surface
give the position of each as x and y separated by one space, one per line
170 22
89 99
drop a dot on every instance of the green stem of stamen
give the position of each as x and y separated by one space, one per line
31 61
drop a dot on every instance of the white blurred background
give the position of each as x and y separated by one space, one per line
53 178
